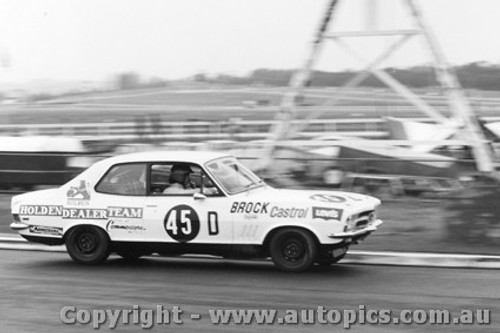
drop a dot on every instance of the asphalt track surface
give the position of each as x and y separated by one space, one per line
37 285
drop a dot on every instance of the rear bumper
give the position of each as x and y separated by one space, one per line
48 240
357 233
44 240
17 226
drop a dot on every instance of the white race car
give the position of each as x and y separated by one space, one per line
173 203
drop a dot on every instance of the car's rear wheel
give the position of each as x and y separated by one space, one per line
88 245
293 250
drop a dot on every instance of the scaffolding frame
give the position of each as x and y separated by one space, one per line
463 118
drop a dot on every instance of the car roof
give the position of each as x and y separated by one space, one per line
188 156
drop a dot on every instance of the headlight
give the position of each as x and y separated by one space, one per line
349 223
372 217
360 220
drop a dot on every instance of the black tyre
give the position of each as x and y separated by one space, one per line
293 250
88 245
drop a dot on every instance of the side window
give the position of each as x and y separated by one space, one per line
159 178
180 179
124 179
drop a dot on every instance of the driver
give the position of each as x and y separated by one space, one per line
180 181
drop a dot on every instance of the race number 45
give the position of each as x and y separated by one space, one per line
183 224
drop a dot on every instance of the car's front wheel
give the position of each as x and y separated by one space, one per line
293 250
88 245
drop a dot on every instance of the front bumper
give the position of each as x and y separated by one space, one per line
357 233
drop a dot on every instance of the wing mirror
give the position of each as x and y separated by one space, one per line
199 196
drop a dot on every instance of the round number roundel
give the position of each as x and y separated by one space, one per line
182 223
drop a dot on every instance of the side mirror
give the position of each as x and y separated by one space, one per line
199 196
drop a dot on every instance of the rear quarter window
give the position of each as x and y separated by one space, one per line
124 179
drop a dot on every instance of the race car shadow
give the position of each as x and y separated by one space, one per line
194 265
210 264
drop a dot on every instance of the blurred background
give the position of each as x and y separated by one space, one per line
416 125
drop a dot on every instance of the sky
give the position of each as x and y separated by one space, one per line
96 39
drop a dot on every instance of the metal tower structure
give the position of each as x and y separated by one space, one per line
463 119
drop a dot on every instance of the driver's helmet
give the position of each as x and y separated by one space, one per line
179 173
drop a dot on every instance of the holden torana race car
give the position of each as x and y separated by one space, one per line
174 203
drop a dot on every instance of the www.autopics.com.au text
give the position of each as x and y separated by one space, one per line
148 317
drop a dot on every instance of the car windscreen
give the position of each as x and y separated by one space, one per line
233 176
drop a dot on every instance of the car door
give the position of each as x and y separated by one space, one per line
198 214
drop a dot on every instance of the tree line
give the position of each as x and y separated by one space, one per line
476 75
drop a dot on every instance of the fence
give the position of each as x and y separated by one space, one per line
243 129
368 128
